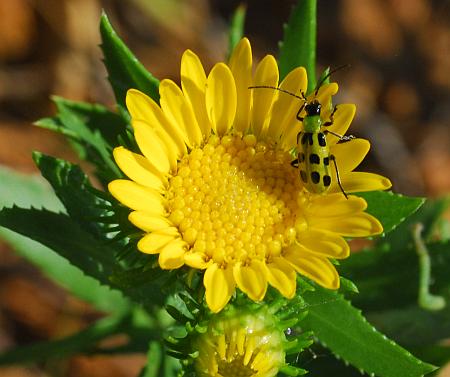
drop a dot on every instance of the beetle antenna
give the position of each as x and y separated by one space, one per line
302 97
328 76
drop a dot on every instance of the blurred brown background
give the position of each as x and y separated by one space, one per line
399 77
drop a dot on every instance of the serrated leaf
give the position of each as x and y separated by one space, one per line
62 234
55 125
93 256
124 69
236 30
413 326
148 287
25 190
428 215
298 48
439 355
74 190
86 341
342 329
158 363
82 341
389 208
388 274
89 124
95 116
390 280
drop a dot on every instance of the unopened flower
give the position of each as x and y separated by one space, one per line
241 344
214 188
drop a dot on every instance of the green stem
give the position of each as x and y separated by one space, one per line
298 48
236 30
426 300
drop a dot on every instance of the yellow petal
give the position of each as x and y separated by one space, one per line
325 243
285 109
193 82
151 146
139 169
179 112
219 285
315 267
349 154
137 197
241 67
197 260
142 107
342 119
361 182
357 225
221 98
171 256
282 276
289 137
152 243
148 222
325 92
335 205
251 279
267 75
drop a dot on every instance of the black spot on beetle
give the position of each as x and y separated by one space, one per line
326 161
315 177
326 180
303 176
321 139
314 158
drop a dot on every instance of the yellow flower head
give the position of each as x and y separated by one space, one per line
241 345
215 189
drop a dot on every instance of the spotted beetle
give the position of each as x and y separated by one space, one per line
313 153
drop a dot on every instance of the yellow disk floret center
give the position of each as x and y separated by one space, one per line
235 199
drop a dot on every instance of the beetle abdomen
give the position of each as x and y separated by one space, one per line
314 162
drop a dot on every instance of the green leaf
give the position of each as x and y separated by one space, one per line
96 117
343 330
74 190
389 208
91 140
388 274
93 256
429 216
124 69
413 326
62 234
389 282
298 48
25 190
159 364
236 30
55 125
86 341
439 355
81 342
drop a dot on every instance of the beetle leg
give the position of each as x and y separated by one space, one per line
330 122
299 111
342 138
332 158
